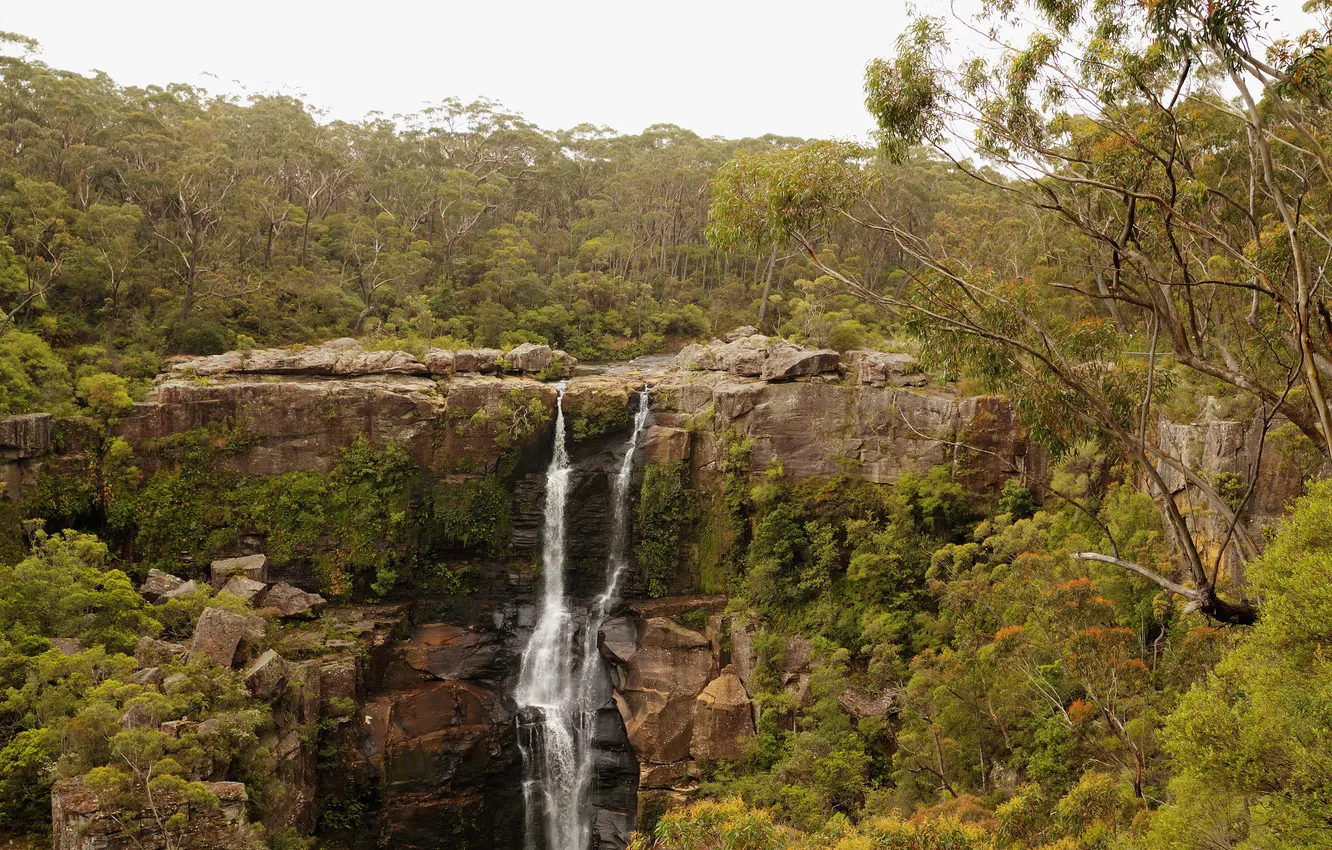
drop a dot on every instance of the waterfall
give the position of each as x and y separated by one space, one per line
559 694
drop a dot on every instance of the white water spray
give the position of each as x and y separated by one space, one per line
560 692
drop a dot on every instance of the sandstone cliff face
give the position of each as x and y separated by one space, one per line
1231 456
822 429
678 703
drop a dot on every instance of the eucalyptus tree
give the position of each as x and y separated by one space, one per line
1149 197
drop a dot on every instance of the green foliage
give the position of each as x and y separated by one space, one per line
66 588
665 512
1247 743
32 375
1017 500
365 505
597 414
105 394
472 513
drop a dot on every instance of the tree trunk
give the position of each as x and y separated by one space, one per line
767 286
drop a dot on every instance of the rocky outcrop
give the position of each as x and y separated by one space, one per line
669 668
528 357
26 435
880 369
290 601
477 360
666 445
439 739
252 567
723 719
789 365
1230 454
82 821
444 651
822 430
158 584
756 356
440 362
677 705
336 358
224 638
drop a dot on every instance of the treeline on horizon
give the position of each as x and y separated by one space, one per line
137 223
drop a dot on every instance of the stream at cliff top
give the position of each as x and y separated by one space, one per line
562 682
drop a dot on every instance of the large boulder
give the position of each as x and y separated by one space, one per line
791 363
158 584
220 635
151 652
881 369
477 360
697 357
181 591
253 567
562 364
744 357
244 588
440 362
292 602
528 357
723 719
266 676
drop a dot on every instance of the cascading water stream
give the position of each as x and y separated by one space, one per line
559 693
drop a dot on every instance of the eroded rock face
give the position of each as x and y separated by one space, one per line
822 430
447 757
445 651
80 821
667 670
723 719
666 445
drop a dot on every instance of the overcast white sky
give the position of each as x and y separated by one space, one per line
719 67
